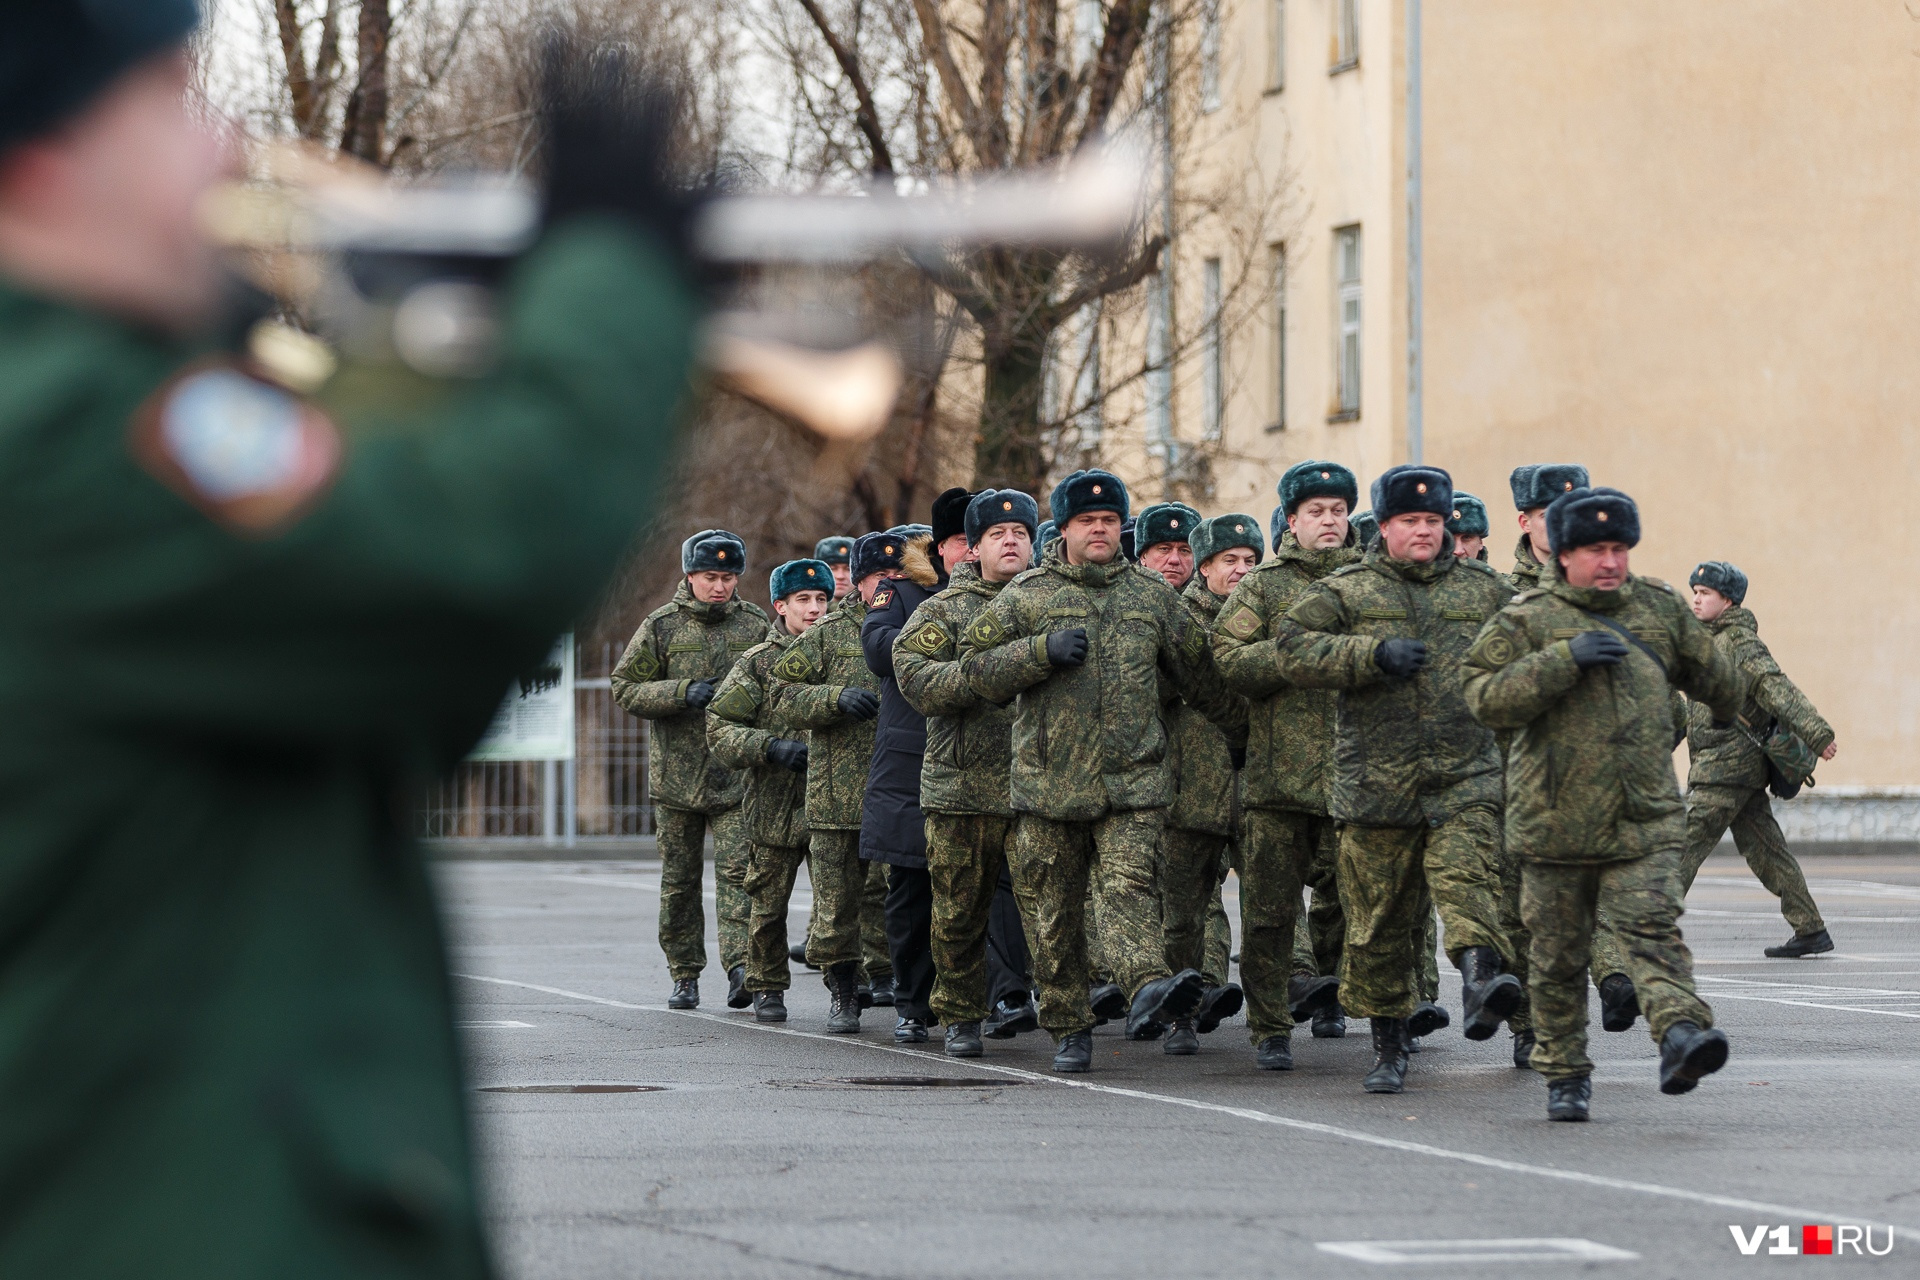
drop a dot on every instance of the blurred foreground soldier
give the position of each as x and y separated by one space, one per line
1469 527
1581 668
821 685
893 830
740 734
837 553
668 674
964 780
1206 805
1043 539
242 628
1162 533
1285 830
1727 773
1416 782
1084 643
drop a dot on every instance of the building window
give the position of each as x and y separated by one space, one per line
1276 45
1346 266
1279 269
1214 405
1346 35
1210 55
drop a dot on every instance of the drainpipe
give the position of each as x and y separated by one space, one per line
1416 427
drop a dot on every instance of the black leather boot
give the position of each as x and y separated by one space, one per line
797 953
1687 1053
909 1031
1182 1042
1074 1052
1308 995
963 1040
1487 994
1427 1018
769 1006
884 992
1811 944
1330 1023
1389 1074
1109 1002
843 988
1523 1050
738 997
1005 1021
1163 1000
1217 1004
1568 1099
1275 1053
1619 1003
686 994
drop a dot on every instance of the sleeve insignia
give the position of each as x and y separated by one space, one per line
1316 611
986 632
736 703
796 665
882 598
1495 649
927 639
1243 625
646 667
1193 644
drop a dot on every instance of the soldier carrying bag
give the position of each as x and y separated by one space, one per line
1790 761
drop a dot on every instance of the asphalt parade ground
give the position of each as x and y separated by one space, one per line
621 1139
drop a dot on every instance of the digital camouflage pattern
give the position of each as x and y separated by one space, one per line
771 872
1192 864
683 641
739 731
876 958
1527 567
1711 810
839 894
1729 757
1290 728
807 683
682 840
966 852
1276 848
1218 942
1205 781
969 740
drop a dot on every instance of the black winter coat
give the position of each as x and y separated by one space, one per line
892 828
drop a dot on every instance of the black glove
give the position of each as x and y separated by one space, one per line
1400 658
788 754
1597 649
858 704
699 694
1238 755
1067 648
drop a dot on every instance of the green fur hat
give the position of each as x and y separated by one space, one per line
714 549
1469 518
1539 483
1718 575
1164 522
1315 479
800 575
1221 532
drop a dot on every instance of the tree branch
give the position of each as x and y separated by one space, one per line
933 37
1126 25
1120 278
868 115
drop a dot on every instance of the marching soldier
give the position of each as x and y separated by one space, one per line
1581 669
837 553
667 675
1727 771
1161 533
741 736
1469 527
1416 781
822 684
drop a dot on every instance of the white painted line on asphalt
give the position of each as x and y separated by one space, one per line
1813 1004
487 1024
1776 1212
1775 915
1538 1249
1838 888
798 900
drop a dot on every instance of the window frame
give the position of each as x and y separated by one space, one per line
1213 358
1346 36
1349 344
1276 46
1277 284
1211 20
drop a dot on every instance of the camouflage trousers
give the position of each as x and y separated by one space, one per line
1711 810
1386 874
682 837
1608 958
1560 904
1058 868
1276 849
1192 916
876 957
839 897
1319 937
1217 949
966 852
771 870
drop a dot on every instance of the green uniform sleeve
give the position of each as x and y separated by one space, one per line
634 686
1242 649
733 735
1188 658
1000 653
1508 682
1703 670
799 701
926 666
1313 649
1778 696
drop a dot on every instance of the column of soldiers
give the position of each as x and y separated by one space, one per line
1118 710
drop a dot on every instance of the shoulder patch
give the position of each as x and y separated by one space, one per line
795 665
1494 648
1243 624
736 703
1193 645
882 598
986 632
1316 611
249 454
646 667
927 639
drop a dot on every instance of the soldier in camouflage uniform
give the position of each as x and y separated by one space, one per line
1415 782
1084 642
741 736
822 685
668 675
837 553
963 777
1727 774
1581 669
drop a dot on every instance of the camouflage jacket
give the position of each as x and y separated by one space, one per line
1527 570
1290 729
1728 757
969 740
1204 779
1089 740
1590 769
682 641
1405 752
807 683
739 733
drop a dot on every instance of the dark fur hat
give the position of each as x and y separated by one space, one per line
800 575
714 549
62 54
1217 534
1314 479
1127 549
1164 522
1582 517
1365 528
834 550
1085 491
873 552
1719 575
1539 483
1469 518
950 515
990 507
1410 487
1047 533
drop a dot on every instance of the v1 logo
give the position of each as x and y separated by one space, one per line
1818 1239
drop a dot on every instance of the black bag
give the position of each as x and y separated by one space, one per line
1790 761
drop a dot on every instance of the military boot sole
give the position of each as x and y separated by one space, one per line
1163 1002
1307 996
1427 1018
1216 1006
1018 1022
1108 1001
1498 996
1707 1055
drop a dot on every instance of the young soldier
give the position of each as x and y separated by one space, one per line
667 675
822 684
837 553
1084 642
963 780
1581 668
1727 774
1415 782
739 732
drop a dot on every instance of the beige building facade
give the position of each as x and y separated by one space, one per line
1678 243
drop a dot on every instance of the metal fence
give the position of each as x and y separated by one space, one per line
600 794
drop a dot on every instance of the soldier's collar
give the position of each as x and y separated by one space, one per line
1588 597
1089 575
1432 571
